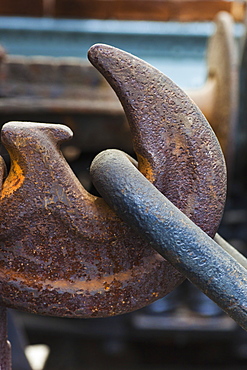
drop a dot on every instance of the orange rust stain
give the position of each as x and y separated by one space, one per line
96 285
14 180
145 168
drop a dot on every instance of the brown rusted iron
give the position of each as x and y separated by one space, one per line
171 137
63 251
218 98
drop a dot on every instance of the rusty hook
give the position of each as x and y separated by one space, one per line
63 251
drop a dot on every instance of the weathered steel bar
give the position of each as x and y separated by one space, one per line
203 261
231 250
5 350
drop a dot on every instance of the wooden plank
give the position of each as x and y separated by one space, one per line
158 10
32 8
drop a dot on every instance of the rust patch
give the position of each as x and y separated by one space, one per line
145 168
14 180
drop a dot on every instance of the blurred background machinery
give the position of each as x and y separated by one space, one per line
44 76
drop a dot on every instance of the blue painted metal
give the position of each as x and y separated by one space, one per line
217 269
56 37
178 49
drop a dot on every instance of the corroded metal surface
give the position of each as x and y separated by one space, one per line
172 139
63 251
218 270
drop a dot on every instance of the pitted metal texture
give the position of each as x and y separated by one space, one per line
64 252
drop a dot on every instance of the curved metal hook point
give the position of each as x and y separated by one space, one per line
63 251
